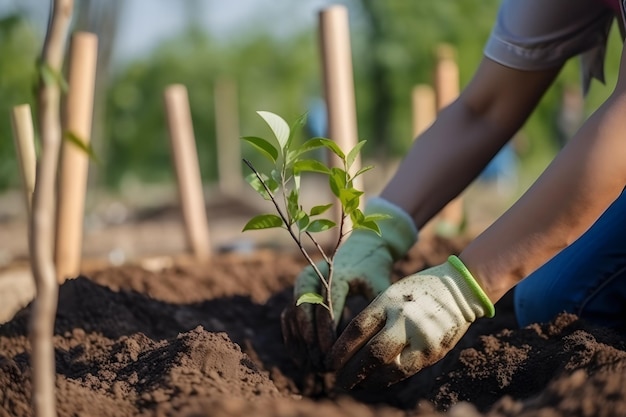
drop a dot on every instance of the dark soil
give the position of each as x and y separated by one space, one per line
205 340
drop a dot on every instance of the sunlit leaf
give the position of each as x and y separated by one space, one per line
293 208
363 170
256 184
275 174
322 142
320 225
354 153
310 298
279 127
266 149
311 144
357 216
319 209
303 222
367 225
295 126
263 221
349 198
375 217
310 165
337 180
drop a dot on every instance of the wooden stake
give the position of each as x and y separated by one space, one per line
227 136
447 87
424 108
339 85
185 159
24 139
75 161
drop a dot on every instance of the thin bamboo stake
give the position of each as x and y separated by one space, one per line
339 85
41 236
447 88
185 158
24 138
424 108
227 136
424 111
75 161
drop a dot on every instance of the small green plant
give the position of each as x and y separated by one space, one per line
282 187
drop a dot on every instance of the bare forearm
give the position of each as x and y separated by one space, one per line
465 136
570 195
443 161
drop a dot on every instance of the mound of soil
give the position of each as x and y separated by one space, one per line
205 340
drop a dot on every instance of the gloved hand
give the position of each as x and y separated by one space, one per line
411 325
362 265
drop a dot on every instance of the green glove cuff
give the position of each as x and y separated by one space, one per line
490 310
398 232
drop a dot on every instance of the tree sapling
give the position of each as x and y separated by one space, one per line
282 187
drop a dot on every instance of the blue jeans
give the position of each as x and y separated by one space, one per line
588 278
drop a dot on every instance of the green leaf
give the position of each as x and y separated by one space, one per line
311 144
354 153
293 208
310 298
363 170
375 217
276 176
295 126
367 225
357 216
303 222
263 221
349 199
82 145
319 209
310 165
265 148
279 127
255 183
320 225
319 142
337 180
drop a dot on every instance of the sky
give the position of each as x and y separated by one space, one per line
145 23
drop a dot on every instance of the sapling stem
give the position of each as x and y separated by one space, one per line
328 305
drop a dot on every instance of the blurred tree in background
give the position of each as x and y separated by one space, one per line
393 49
18 53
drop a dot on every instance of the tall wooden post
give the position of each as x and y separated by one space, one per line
227 136
24 139
424 112
424 108
338 81
74 161
447 87
185 158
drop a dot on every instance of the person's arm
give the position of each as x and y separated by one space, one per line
587 175
450 154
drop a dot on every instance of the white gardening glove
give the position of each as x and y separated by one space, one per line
362 265
411 325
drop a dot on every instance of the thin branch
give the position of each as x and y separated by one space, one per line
41 232
289 228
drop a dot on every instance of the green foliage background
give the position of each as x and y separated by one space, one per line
393 49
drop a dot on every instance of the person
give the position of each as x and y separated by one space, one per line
560 247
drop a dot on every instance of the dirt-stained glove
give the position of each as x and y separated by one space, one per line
411 325
362 265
